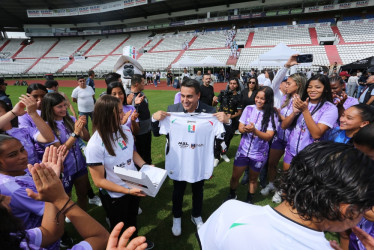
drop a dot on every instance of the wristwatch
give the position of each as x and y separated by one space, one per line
74 135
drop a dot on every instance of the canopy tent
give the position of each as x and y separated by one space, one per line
210 61
184 63
276 57
362 65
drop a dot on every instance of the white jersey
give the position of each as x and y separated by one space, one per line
238 225
189 150
96 153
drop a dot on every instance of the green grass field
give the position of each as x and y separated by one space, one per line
156 220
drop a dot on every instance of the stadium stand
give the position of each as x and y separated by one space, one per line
287 35
358 31
211 39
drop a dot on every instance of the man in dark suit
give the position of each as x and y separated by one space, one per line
190 103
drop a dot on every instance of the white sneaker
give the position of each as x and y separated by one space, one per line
95 201
198 221
237 132
216 161
277 198
140 211
177 226
265 191
225 158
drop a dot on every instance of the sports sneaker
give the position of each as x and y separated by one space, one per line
237 132
177 226
95 201
277 197
265 191
225 158
140 211
198 221
216 161
150 244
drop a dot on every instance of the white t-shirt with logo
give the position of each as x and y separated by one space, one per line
189 150
238 225
96 153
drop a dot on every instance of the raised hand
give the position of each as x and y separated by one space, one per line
126 117
299 104
137 243
54 158
29 102
47 184
340 100
292 61
139 99
19 109
79 125
134 115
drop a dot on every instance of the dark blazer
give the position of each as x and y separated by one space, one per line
178 107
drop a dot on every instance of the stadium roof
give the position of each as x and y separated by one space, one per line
13 13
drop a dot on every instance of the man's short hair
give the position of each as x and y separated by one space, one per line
112 77
191 83
325 175
136 78
207 74
91 72
80 77
50 84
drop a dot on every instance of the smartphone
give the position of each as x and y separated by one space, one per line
306 58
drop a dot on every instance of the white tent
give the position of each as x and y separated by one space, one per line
210 61
184 63
276 57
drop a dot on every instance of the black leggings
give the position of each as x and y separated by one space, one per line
123 209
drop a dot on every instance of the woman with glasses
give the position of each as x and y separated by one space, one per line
249 93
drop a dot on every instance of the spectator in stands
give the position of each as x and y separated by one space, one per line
84 95
199 77
367 95
308 210
169 78
3 96
52 86
137 99
90 80
352 84
111 77
206 91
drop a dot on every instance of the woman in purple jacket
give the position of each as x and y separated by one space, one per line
312 116
257 124
68 130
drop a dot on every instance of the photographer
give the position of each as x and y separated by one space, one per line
229 102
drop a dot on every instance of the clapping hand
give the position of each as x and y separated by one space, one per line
137 243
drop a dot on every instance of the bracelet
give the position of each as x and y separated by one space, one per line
59 212
67 209
13 113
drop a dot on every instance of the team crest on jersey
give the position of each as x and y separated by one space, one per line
193 146
122 144
191 128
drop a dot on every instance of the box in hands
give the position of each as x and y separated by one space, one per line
149 179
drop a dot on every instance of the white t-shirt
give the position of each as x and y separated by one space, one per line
238 225
96 153
84 98
261 79
189 150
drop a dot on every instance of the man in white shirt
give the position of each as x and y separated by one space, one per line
312 204
261 78
185 173
84 95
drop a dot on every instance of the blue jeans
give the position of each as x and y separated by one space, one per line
86 114
360 88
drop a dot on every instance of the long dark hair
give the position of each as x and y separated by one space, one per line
326 95
113 85
256 85
108 123
7 108
36 86
49 101
269 112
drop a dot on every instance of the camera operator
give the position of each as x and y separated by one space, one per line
229 102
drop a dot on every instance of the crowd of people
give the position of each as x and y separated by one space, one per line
324 135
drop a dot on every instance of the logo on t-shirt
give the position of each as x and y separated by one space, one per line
128 161
183 144
191 128
122 144
194 145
